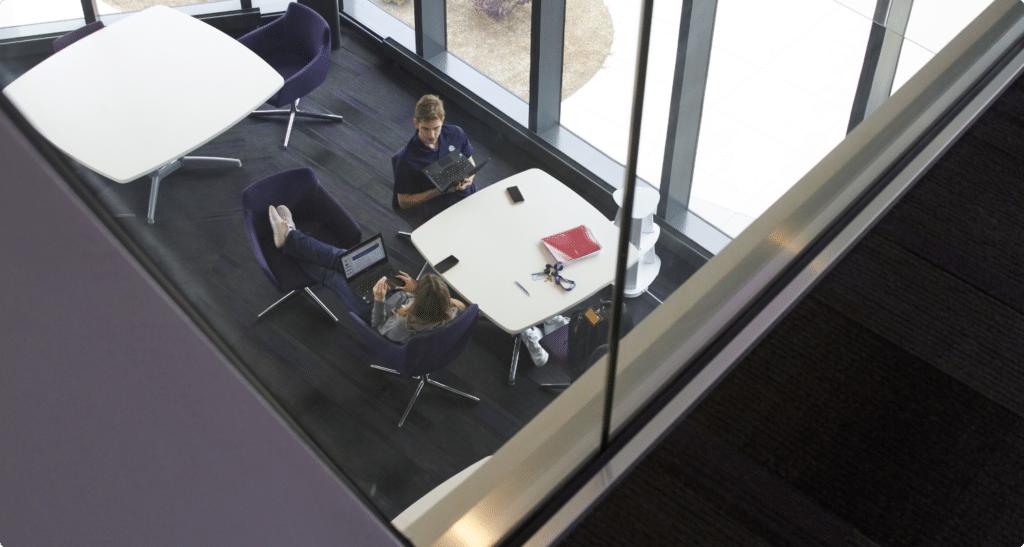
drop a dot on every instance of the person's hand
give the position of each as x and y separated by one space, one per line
380 289
409 283
466 182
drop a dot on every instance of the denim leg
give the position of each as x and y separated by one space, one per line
321 261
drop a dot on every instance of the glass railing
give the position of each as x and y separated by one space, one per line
540 467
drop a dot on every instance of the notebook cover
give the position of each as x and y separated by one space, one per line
572 245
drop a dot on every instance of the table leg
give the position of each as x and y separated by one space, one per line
515 360
207 161
154 187
199 161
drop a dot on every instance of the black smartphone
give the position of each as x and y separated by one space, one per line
515 194
446 264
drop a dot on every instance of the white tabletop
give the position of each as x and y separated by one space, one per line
142 92
498 243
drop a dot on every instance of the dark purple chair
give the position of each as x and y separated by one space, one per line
76 35
422 354
316 213
557 346
410 218
297 45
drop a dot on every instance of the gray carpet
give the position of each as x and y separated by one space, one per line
885 409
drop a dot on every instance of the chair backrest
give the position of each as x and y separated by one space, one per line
298 45
394 176
76 35
425 352
414 219
316 212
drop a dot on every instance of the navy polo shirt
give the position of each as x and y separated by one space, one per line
409 177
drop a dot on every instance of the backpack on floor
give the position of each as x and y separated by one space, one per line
588 329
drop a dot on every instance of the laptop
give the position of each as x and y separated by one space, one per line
451 169
364 264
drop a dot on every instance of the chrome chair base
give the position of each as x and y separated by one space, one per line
311 295
425 379
294 111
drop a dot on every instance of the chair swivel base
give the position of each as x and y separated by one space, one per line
292 112
311 295
424 379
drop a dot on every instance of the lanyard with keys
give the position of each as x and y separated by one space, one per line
553 272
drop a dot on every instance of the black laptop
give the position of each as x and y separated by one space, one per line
451 169
364 264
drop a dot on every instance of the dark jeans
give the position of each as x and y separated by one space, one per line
322 262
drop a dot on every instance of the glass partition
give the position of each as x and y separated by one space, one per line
722 290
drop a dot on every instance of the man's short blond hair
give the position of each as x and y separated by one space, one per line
429 108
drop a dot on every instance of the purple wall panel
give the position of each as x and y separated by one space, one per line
120 425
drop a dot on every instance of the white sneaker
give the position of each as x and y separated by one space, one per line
286 216
279 226
555 323
531 337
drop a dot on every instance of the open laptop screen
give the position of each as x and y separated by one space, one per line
363 256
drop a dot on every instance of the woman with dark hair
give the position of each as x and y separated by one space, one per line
416 306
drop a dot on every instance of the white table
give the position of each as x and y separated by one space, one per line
135 97
498 243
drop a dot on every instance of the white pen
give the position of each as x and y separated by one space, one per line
522 287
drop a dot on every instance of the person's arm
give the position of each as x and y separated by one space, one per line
378 315
406 201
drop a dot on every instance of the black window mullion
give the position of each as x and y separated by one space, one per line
547 44
89 11
696 28
431 32
881 58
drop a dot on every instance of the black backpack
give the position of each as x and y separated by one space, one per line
586 335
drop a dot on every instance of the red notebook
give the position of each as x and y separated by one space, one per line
572 245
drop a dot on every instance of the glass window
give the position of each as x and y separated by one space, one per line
389 18
600 64
598 109
125 6
493 36
15 13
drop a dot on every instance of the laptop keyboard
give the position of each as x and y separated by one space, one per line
454 172
364 288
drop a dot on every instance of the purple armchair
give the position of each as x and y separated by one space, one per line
316 213
422 354
298 46
76 35
412 217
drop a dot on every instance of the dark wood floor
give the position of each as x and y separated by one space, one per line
312 370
